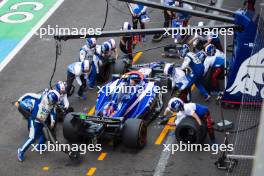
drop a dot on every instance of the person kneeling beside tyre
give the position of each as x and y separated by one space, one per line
189 131
194 128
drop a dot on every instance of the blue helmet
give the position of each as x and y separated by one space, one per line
184 50
91 42
201 56
210 50
135 77
106 47
53 97
60 87
176 104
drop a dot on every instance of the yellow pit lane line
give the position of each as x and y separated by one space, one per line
91 171
45 168
102 156
165 130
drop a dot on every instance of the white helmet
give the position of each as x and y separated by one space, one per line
112 42
91 42
168 69
53 97
126 26
176 104
85 66
60 87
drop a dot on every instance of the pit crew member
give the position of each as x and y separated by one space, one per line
126 42
43 108
180 81
88 50
79 71
215 61
195 64
199 112
138 13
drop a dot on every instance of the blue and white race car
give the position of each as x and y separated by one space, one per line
123 108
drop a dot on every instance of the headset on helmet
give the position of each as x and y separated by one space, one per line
184 50
53 97
176 105
210 50
60 87
168 69
91 42
85 66
126 26
201 56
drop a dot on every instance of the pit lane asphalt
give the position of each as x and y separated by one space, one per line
30 71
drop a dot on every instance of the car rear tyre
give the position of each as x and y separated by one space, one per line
105 73
188 131
70 129
134 133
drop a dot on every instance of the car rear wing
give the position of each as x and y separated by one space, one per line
98 119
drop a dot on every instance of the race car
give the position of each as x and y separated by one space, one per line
121 113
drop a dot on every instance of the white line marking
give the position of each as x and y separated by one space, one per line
20 45
3 3
164 157
219 4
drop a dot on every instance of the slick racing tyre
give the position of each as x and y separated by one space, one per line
188 131
134 133
105 73
61 113
70 129
157 38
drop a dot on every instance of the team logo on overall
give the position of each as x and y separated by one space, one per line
250 80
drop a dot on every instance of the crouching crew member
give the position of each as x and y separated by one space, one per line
179 81
79 71
199 112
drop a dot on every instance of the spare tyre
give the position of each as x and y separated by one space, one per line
70 129
134 134
189 131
